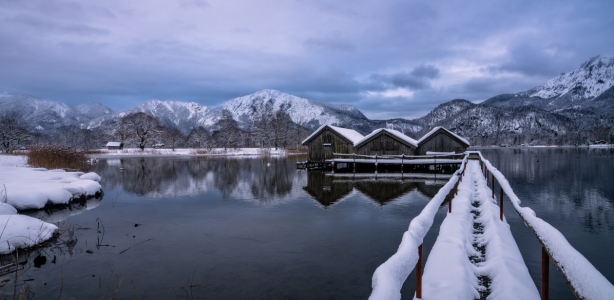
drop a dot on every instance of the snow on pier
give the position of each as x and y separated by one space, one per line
475 255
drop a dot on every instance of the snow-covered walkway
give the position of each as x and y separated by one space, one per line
475 255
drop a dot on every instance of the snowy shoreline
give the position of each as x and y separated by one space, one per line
24 188
135 152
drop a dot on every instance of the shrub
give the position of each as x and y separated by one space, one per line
57 157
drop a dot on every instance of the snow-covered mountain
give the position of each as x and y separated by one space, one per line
572 90
310 114
44 115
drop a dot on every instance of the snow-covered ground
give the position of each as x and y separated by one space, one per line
183 152
23 188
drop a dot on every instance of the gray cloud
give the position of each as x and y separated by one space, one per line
390 58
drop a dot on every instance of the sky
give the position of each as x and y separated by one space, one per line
387 58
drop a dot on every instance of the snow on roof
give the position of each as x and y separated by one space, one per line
448 131
398 134
349 134
113 144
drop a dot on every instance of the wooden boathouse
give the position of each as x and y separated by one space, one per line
328 139
441 140
385 141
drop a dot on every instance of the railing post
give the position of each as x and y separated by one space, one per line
493 186
500 202
545 274
419 274
457 188
450 205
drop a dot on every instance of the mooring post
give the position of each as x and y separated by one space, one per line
376 163
402 158
500 202
419 274
354 154
545 274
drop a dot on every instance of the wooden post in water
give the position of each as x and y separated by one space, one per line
376 163
402 157
354 154
419 274
545 274
500 202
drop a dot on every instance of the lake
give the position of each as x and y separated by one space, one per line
257 228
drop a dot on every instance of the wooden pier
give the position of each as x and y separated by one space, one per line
356 163
475 255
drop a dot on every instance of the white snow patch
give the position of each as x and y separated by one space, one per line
22 232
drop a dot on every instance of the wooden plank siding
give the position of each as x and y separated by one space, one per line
385 144
441 141
318 150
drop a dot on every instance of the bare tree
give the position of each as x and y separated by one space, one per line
262 127
172 137
121 132
144 128
199 137
227 131
281 124
12 133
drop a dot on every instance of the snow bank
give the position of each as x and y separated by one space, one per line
585 279
389 276
12 161
33 188
20 231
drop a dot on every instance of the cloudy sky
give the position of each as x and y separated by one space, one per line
387 58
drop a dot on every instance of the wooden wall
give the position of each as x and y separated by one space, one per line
371 147
318 152
441 142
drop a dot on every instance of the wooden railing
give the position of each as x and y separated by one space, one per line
585 281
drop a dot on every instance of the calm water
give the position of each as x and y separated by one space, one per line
256 228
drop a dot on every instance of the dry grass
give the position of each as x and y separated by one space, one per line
202 151
57 157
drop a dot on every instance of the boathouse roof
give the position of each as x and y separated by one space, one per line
436 129
113 144
349 134
392 132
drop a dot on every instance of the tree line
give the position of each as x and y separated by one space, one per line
266 129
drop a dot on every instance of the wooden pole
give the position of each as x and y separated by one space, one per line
500 202
419 274
493 186
354 154
450 205
402 157
376 163
545 274
457 187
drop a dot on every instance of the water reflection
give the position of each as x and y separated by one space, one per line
58 214
571 183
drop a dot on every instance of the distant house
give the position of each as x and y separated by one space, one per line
386 141
441 140
327 140
158 146
115 146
